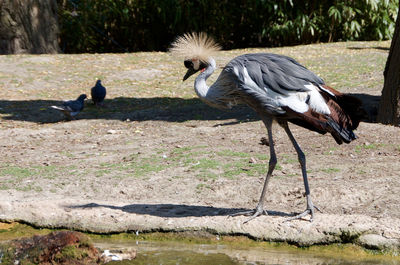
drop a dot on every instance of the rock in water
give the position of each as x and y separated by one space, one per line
62 247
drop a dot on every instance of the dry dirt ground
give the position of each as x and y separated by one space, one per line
156 158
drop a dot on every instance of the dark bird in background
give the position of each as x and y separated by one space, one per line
98 93
278 88
71 108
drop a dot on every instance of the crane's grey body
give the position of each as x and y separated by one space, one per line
267 82
278 88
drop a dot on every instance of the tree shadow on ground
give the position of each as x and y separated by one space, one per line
144 109
134 109
363 48
173 210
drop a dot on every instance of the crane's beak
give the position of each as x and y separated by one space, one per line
189 72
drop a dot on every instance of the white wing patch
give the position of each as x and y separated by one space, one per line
294 101
316 101
326 90
236 71
297 101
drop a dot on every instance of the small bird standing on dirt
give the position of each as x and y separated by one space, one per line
98 93
278 88
71 108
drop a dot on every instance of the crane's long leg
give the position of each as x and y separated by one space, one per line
302 159
259 210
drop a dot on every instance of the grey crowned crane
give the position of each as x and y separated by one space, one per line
278 88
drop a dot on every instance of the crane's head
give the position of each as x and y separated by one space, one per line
196 50
193 66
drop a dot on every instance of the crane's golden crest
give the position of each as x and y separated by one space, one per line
194 46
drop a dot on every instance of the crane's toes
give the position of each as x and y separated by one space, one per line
252 213
308 211
256 214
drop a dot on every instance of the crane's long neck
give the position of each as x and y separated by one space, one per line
200 85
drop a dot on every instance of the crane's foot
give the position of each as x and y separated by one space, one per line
252 213
309 211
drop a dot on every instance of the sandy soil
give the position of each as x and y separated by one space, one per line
157 161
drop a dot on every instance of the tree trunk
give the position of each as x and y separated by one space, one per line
28 26
389 106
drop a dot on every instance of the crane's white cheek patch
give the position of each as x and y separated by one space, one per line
196 64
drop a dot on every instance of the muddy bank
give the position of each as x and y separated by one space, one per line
107 217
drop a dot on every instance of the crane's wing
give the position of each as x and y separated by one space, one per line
277 72
274 81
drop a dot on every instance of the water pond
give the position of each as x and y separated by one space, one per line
173 252
204 248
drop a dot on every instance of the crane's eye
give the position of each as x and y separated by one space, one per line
188 64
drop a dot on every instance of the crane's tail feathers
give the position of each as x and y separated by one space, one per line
346 108
194 45
346 112
339 133
353 107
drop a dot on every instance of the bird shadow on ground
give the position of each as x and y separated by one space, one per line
144 109
122 108
173 210
370 105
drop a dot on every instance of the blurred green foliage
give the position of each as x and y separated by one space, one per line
148 25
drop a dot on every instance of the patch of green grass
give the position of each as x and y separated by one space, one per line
289 160
358 148
233 153
102 172
201 186
135 165
48 172
330 151
206 175
234 169
71 253
144 169
16 172
4 187
261 156
206 163
187 149
67 154
330 170
231 170
30 187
